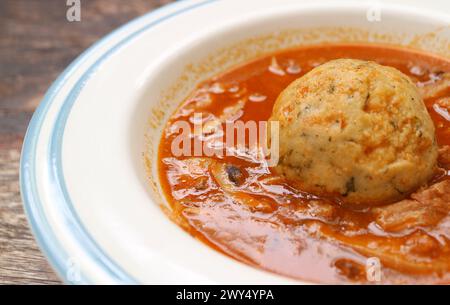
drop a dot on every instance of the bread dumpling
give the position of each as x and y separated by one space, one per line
357 130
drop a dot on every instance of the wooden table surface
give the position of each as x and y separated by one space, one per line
36 44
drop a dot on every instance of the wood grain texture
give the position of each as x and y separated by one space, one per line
36 44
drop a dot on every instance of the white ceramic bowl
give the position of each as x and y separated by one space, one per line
93 206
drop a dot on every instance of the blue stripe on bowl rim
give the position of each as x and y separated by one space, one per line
47 241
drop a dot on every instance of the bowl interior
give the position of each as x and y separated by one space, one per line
112 135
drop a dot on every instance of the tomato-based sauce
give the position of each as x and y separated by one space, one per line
242 208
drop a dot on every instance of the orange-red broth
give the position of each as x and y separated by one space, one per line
278 230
